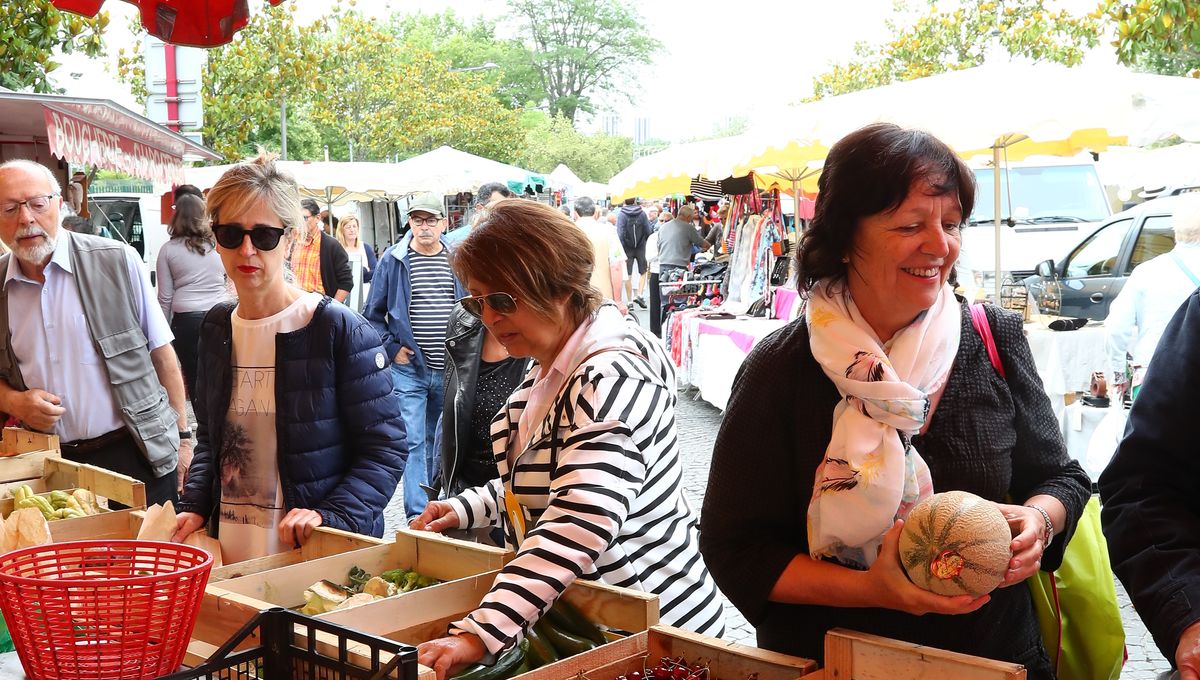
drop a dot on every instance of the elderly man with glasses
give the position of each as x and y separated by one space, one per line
89 356
412 294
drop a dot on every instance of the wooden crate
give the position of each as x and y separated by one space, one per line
725 660
324 542
859 656
22 452
64 475
227 605
426 614
117 524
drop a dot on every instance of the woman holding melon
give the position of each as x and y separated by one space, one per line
882 394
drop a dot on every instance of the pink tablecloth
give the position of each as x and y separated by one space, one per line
786 304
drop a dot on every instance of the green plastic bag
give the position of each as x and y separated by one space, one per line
1077 607
6 644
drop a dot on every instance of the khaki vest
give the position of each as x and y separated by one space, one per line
110 308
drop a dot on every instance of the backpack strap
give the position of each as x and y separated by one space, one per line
984 328
1184 267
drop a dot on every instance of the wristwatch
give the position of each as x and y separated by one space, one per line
185 434
1049 525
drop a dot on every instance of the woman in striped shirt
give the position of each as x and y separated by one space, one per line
590 479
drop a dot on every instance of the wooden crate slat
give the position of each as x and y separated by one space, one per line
850 655
16 440
324 542
118 524
64 475
24 466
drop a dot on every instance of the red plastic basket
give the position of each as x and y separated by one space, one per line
93 610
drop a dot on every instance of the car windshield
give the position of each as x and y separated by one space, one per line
1067 193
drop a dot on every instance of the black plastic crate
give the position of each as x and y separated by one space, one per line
289 651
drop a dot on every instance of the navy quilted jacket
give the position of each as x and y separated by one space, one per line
341 439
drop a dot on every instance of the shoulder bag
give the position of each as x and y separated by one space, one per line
1076 604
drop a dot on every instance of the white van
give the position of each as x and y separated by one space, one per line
1047 207
133 218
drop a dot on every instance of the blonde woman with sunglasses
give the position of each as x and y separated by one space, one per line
298 426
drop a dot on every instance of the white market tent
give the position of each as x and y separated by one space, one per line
327 181
564 178
1131 169
442 171
446 170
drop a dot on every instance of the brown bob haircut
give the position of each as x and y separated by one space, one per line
534 253
868 172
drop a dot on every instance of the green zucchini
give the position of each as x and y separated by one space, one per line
569 619
541 652
509 661
566 644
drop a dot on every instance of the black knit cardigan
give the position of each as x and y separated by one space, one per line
995 438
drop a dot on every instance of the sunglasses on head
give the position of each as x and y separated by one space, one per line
262 237
501 303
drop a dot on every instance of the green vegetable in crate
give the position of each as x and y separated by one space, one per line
566 644
567 618
358 578
324 596
506 666
541 652
40 503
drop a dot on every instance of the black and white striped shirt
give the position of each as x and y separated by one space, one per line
602 485
432 300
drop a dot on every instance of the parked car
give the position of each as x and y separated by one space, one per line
1085 281
1046 206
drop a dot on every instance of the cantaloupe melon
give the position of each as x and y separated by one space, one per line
955 543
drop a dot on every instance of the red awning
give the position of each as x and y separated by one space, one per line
99 132
197 23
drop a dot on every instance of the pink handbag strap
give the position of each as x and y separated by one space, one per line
980 321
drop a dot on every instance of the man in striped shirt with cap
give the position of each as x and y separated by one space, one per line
412 293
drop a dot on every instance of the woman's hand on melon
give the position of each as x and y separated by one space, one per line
895 591
1028 528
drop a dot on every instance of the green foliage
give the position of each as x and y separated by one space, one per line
941 40
32 30
595 158
433 106
246 81
583 48
1162 36
470 46
131 65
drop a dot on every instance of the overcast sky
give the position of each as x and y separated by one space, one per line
717 61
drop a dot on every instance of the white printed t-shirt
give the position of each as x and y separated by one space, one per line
251 496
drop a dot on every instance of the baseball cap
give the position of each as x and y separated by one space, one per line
426 203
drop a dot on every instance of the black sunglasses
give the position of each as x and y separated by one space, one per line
501 303
262 237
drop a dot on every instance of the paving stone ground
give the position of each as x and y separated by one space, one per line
698 423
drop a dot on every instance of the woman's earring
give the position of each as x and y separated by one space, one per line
845 260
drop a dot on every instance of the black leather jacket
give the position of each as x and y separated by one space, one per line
461 467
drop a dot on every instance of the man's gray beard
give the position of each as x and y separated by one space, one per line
35 255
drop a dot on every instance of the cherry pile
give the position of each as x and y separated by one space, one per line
670 669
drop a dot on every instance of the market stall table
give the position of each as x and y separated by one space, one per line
1091 439
718 347
1066 359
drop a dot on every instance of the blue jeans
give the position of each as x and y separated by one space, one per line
420 392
